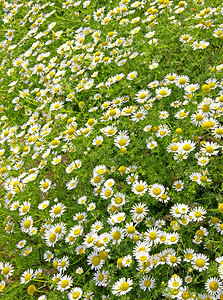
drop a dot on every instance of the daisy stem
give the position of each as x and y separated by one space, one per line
76 261
69 89
39 280
216 139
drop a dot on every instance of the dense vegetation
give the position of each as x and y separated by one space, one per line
111 149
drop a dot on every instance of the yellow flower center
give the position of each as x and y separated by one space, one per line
173 239
182 81
198 214
174 148
200 233
95 260
45 185
147 283
186 295
156 191
139 210
142 96
27 224
112 112
77 231
189 256
205 108
131 229
6 270
31 289
108 193
111 131
75 295
90 240
116 235
124 286
213 285
122 142
56 106
39 69
173 259
27 277
182 114
175 283
118 200
209 149
171 78
91 122
25 208
80 218
54 142
64 283
57 210
143 258
219 131
186 147
163 93
101 277
152 236
200 262
139 115
128 111
140 188
52 238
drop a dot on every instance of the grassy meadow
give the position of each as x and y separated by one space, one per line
111 149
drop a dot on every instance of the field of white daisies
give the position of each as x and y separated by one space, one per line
111 149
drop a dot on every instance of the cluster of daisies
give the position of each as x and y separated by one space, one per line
110 162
